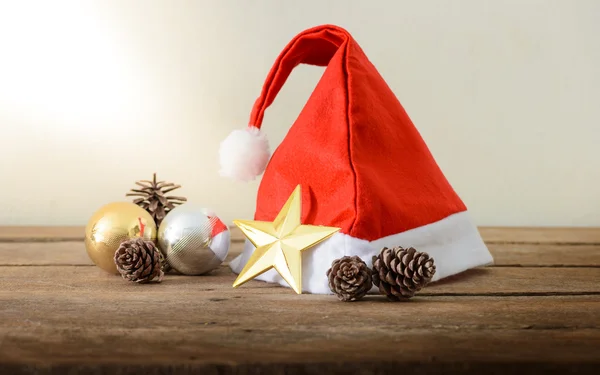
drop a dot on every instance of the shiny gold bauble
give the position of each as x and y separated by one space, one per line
113 224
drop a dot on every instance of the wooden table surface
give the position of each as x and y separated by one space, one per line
536 311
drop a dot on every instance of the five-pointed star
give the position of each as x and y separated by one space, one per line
279 243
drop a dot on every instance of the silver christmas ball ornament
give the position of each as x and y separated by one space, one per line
193 240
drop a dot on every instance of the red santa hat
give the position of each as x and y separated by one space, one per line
361 162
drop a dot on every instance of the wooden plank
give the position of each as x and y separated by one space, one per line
143 330
568 235
545 255
41 233
208 350
519 281
181 305
65 319
40 254
545 235
58 253
481 281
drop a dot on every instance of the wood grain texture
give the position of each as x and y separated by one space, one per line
531 255
545 255
555 235
98 318
303 350
41 234
536 312
179 327
42 254
482 281
92 298
489 234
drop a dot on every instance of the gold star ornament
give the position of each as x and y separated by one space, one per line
279 243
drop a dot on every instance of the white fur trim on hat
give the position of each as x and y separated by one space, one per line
244 154
454 244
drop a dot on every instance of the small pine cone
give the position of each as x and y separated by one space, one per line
349 278
152 197
399 273
139 260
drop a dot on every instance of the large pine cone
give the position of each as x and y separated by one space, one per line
139 260
399 273
349 278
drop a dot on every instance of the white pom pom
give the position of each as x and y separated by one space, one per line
244 154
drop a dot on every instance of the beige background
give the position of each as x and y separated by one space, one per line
97 94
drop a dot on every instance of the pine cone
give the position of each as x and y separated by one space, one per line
400 273
349 278
139 260
153 199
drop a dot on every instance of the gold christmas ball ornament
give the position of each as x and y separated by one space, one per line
113 224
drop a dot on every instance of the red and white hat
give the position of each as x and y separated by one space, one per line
362 164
